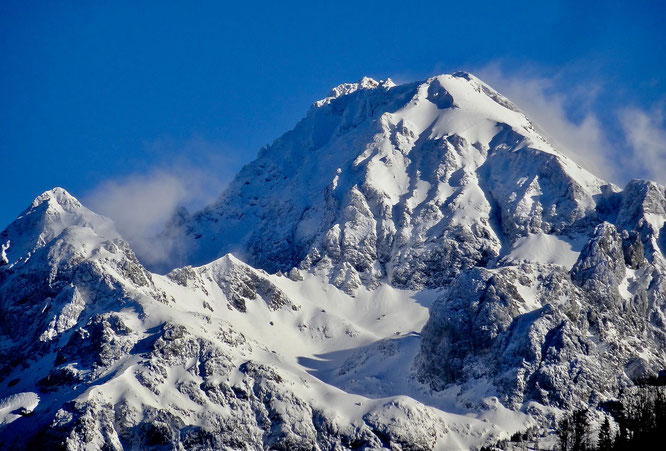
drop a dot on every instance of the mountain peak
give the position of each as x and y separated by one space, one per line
58 196
365 83
51 213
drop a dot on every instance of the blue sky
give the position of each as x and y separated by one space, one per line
113 96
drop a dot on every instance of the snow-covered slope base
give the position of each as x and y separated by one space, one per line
427 273
218 356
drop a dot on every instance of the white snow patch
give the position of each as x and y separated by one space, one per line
419 194
10 406
624 287
545 248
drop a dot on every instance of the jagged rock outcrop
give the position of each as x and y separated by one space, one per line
236 280
642 210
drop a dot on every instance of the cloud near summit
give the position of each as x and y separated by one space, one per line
551 101
190 174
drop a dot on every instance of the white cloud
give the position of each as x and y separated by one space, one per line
645 133
189 175
139 204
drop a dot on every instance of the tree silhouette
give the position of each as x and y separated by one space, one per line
640 415
605 440
580 430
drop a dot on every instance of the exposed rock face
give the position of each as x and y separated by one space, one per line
642 210
429 273
576 343
601 267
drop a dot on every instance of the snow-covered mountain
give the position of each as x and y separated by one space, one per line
405 184
411 267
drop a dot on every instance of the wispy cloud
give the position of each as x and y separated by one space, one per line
190 174
645 133
582 139
617 145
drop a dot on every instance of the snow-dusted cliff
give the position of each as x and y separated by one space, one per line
414 267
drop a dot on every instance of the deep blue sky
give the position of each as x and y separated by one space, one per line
91 91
